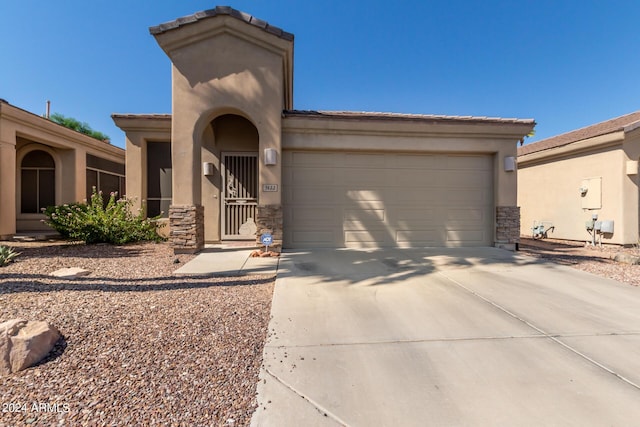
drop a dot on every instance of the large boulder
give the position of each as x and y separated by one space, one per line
23 343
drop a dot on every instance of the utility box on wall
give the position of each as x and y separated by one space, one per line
591 193
606 227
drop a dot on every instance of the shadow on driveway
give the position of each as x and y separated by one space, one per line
390 265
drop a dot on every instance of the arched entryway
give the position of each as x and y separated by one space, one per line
230 184
37 182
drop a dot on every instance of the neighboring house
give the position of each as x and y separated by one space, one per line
235 160
564 180
43 163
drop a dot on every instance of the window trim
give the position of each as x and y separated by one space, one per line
37 169
99 171
147 199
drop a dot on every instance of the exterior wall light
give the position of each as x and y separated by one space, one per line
208 169
509 164
270 156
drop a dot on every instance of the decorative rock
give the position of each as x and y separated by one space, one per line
263 254
24 343
71 273
626 258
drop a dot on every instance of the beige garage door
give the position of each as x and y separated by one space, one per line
341 199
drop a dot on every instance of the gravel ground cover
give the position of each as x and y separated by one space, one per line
140 346
596 260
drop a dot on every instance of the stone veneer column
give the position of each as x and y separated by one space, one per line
187 228
269 220
507 226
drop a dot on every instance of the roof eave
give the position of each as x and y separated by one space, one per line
415 125
34 122
143 122
577 147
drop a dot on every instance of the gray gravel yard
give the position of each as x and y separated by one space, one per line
140 346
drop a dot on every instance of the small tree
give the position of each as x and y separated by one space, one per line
78 126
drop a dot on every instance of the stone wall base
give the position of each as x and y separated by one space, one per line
507 227
186 223
269 220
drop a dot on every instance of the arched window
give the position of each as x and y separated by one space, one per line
38 187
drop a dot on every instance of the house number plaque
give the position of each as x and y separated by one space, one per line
269 187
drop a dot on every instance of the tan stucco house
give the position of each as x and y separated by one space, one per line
43 163
565 180
235 159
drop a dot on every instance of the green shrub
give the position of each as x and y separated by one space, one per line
7 255
96 223
65 218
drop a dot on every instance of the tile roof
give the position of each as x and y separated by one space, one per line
219 11
365 115
621 123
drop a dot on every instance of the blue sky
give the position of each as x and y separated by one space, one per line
566 64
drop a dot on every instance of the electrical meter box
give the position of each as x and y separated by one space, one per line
592 198
606 227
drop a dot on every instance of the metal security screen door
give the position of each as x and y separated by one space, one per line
240 195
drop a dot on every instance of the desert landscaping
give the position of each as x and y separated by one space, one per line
142 346
139 345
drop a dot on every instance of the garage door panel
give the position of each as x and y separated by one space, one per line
465 235
417 178
336 199
413 214
364 225
411 161
469 162
368 238
359 214
416 235
315 176
363 196
469 214
465 179
423 196
469 198
312 217
370 177
313 195
358 160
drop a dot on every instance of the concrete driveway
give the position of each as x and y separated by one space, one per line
447 337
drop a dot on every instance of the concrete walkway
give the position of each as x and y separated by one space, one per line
228 261
447 337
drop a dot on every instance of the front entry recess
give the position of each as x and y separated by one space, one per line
240 195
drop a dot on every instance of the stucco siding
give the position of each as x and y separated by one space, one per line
224 74
22 132
549 190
